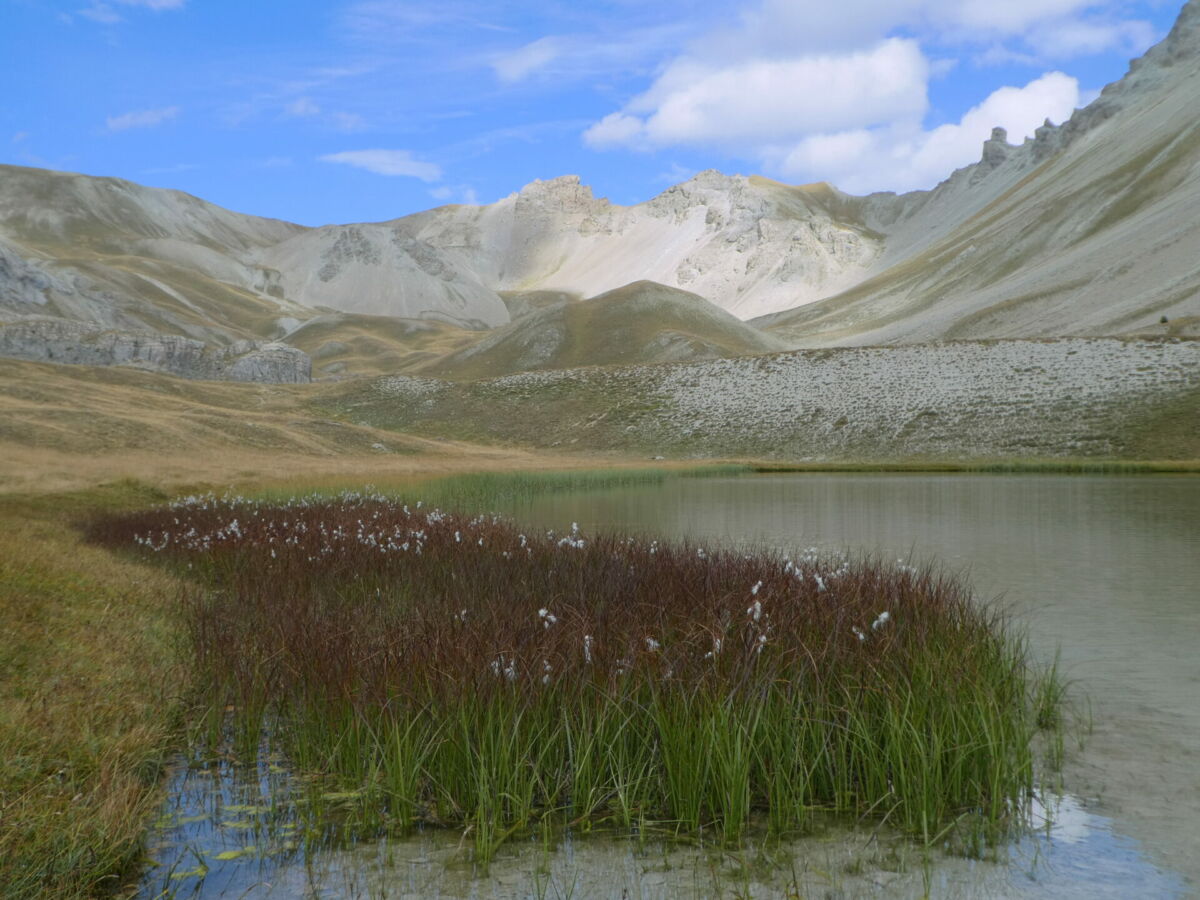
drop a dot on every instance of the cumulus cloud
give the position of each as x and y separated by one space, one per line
840 91
144 118
899 158
770 100
387 162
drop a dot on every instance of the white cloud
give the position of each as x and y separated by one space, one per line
905 159
770 100
145 118
387 162
301 108
20 136
830 91
521 63
617 130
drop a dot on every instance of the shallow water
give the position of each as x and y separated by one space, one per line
1104 569
231 833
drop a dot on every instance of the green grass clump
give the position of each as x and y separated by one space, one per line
459 672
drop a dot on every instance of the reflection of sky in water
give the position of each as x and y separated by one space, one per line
236 834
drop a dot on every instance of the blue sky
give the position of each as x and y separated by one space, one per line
370 109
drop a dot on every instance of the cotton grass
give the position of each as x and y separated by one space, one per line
464 673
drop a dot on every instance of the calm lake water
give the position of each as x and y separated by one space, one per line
1104 571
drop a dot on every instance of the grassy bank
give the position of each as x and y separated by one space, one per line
490 490
458 672
89 697
1001 466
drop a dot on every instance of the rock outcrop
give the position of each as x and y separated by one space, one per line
44 339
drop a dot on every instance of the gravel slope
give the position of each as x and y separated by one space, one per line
989 399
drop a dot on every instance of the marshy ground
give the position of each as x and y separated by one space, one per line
455 671
115 703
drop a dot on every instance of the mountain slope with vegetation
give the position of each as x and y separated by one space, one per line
639 323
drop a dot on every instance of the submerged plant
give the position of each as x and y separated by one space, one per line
468 674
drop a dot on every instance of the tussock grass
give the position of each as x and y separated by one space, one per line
462 673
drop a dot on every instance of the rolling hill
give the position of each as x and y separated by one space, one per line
643 322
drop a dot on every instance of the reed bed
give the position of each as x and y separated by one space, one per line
459 671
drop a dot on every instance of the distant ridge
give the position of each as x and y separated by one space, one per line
1087 229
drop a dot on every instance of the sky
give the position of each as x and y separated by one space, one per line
366 110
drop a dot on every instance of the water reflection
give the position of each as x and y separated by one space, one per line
239 832
1107 569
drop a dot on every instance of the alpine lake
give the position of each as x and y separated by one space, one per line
1101 571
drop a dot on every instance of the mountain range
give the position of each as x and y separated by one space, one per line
1090 228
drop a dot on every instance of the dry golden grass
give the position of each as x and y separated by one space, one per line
73 427
89 697
348 343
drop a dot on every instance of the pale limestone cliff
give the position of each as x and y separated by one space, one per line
44 339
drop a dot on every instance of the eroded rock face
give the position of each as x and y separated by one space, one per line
45 339
23 283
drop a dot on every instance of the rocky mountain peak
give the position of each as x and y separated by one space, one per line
996 149
565 193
